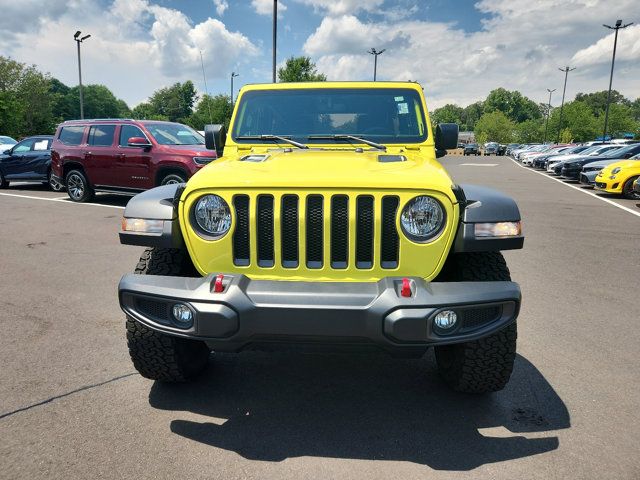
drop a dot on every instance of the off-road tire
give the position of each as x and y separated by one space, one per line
155 355
483 365
628 191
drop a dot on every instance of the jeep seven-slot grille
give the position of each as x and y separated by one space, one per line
315 220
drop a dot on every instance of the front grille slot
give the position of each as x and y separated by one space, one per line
389 241
339 231
364 232
241 234
265 231
158 311
289 231
314 228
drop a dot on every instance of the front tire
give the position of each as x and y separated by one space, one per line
156 355
628 191
54 185
483 365
172 179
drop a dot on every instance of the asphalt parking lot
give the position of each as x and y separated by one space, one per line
72 406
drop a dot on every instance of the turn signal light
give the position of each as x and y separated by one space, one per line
499 229
142 225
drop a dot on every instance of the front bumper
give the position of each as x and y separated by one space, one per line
573 174
262 313
608 185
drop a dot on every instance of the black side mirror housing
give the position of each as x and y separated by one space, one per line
214 138
446 138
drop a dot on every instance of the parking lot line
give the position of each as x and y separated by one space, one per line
59 200
480 164
606 200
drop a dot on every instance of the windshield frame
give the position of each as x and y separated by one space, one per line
412 95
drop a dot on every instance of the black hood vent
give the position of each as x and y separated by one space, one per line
385 158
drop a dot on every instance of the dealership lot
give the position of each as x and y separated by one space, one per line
72 406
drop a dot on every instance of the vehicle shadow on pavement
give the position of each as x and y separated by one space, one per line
372 407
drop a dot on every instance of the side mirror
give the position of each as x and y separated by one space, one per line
446 138
214 138
138 142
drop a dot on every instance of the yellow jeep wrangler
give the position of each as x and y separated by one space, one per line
328 224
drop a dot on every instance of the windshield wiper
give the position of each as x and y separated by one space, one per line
272 137
379 146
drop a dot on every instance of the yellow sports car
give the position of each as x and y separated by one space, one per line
619 178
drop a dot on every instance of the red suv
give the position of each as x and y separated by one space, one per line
125 156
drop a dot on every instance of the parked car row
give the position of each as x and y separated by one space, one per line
609 167
107 155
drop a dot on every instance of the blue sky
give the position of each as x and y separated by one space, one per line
458 50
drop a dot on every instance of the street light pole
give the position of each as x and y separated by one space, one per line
566 71
206 89
275 30
613 61
546 123
375 54
79 41
233 74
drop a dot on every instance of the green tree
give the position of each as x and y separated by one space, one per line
597 101
635 109
300 69
450 113
530 131
495 127
98 101
470 115
26 103
174 103
145 111
513 104
621 121
210 109
578 118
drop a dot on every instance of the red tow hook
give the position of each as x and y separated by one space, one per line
405 291
218 286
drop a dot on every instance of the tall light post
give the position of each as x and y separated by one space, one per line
206 89
613 61
275 30
79 40
375 54
546 123
233 74
566 71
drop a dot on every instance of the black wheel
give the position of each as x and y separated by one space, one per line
156 355
173 178
484 365
628 190
54 185
78 186
4 183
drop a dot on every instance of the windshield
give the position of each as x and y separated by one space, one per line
619 152
384 115
601 149
7 141
174 134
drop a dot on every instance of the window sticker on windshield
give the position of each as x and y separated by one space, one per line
41 145
403 108
398 99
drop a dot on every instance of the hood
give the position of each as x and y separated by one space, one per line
622 164
325 168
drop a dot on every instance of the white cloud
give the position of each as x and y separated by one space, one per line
600 52
520 46
221 6
265 7
136 46
343 7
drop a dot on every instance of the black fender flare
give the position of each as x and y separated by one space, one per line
159 203
480 204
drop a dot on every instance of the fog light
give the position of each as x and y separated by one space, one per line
445 319
182 314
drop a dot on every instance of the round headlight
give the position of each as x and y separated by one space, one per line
422 218
212 215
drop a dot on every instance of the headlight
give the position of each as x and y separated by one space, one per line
616 170
212 215
422 219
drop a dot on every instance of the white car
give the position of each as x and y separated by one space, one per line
6 143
